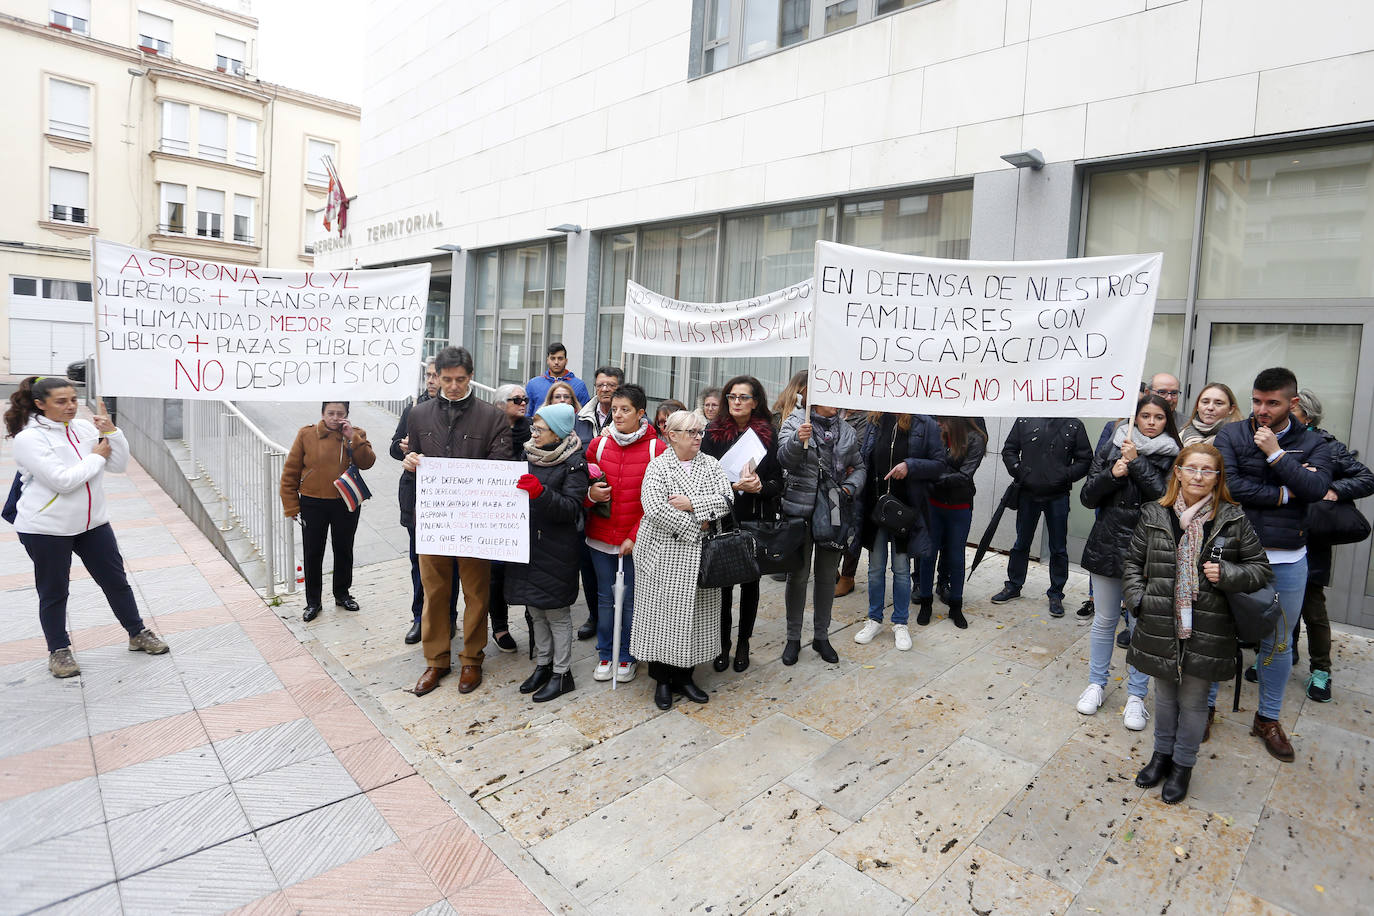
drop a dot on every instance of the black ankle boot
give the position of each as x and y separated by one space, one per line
825 650
722 660
538 679
688 688
742 655
1158 767
663 695
1176 785
956 615
923 615
790 650
558 685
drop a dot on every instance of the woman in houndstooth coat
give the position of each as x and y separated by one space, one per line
677 625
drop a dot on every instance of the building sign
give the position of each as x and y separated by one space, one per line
404 226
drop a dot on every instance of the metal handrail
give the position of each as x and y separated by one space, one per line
485 392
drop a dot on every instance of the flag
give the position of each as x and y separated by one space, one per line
336 202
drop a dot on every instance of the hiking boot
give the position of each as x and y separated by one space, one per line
147 641
62 664
1007 593
1319 686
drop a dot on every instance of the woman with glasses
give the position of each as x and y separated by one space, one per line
563 393
1129 470
677 624
1188 550
1215 407
512 400
755 492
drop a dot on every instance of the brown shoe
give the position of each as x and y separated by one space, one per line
843 586
1207 732
429 680
1275 741
470 678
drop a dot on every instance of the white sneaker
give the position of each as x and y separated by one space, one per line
626 672
867 632
903 635
603 671
1136 715
1090 700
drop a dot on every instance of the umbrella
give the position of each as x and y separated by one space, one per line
619 591
1008 502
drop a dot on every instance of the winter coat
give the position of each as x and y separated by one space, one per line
537 389
955 486
470 428
317 458
624 467
520 432
1351 480
723 434
63 481
1047 454
1118 501
586 425
675 622
1255 483
405 487
1148 592
925 457
549 580
832 440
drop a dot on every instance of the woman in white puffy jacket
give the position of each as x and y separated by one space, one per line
61 511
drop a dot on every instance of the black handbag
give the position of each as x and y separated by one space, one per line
780 539
890 512
1257 614
728 557
11 510
1331 522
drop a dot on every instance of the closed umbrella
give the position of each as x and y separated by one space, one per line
618 590
1009 499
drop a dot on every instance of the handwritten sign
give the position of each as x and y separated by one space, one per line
466 507
775 324
980 338
171 326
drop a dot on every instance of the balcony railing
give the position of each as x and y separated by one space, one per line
69 23
61 213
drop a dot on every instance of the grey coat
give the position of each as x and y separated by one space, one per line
803 464
675 622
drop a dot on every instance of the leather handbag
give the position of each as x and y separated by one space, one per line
351 486
1257 614
780 539
1331 522
728 557
890 512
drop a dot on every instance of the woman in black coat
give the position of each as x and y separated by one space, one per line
951 517
746 408
1126 473
547 584
1189 549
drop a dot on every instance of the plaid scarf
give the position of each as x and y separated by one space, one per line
1190 519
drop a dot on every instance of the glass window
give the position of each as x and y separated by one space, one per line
154 34
25 286
246 142
209 213
243 218
436 308
773 24
617 262
315 171
69 110
71 15
891 6
677 261
512 355
841 15
173 208
230 53
716 42
176 130
213 140
70 290
1289 225
483 356
1146 210
487 265
67 192
936 225
522 278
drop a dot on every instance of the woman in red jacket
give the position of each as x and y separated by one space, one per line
623 454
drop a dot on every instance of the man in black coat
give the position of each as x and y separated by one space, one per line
1045 456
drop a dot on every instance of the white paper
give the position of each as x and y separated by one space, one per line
467 507
748 447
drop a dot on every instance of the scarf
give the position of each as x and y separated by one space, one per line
625 440
554 454
1159 445
725 430
1208 429
1190 519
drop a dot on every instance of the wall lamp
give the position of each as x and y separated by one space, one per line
566 227
1026 159
454 249
134 71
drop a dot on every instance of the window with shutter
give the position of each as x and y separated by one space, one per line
67 191
69 110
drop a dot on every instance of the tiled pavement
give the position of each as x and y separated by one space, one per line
232 774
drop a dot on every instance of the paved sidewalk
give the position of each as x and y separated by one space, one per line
233 772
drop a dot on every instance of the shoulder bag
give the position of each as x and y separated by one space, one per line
1331 522
351 486
890 512
780 538
1257 614
728 556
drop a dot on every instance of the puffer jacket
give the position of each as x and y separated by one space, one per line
64 491
832 440
550 579
1351 480
925 458
721 436
1118 501
1255 483
317 457
1148 591
1046 455
624 467
955 486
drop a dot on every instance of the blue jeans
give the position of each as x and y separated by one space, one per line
877 579
1102 639
1276 661
1028 512
949 533
606 565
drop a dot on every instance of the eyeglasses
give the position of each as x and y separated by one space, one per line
539 428
694 433
1205 473
740 398
606 386
1167 392
518 400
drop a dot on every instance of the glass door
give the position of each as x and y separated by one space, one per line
512 351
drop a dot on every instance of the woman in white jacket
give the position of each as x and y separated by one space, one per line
62 462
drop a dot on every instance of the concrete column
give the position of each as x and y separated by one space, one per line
575 311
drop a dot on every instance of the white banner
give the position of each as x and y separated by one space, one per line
469 507
981 338
774 324
172 326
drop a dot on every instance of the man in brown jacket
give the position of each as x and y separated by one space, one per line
454 425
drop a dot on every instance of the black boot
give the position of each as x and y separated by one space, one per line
663 695
742 654
558 685
825 650
722 661
688 688
1158 767
956 615
923 615
537 679
790 650
413 634
588 629
1176 785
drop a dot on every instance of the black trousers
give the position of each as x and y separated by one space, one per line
52 576
327 519
668 674
748 612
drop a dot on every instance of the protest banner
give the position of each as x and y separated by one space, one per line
774 324
172 326
469 507
980 338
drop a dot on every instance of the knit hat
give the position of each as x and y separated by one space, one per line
558 417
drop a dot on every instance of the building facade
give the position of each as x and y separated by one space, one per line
141 121
701 147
